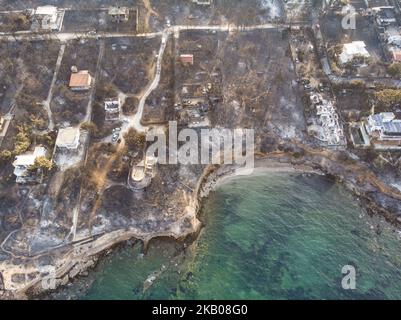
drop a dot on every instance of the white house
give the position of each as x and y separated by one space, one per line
385 15
203 2
48 17
141 174
23 162
68 138
119 13
384 126
394 40
353 50
331 130
112 108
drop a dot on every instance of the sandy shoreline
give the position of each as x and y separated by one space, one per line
265 167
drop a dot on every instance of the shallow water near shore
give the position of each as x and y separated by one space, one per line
271 236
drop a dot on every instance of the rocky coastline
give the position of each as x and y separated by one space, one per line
79 259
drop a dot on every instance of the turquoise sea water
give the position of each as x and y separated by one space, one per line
273 236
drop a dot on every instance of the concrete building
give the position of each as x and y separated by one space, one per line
385 15
138 172
384 126
119 14
328 127
4 125
353 50
203 2
48 18
23 162
68 138
141 174
70 147
391 37
394 40
80 81
150 164
382 131
396 55
112 108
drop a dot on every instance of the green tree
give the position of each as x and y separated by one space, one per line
357 84
135 140
90 126
5 155
394 70
388 97
38 122
43 163
22 141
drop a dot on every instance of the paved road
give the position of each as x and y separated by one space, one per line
66 36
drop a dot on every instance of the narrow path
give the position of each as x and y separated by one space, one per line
89 109
88 117
135 121
46 103
149 12
4 242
